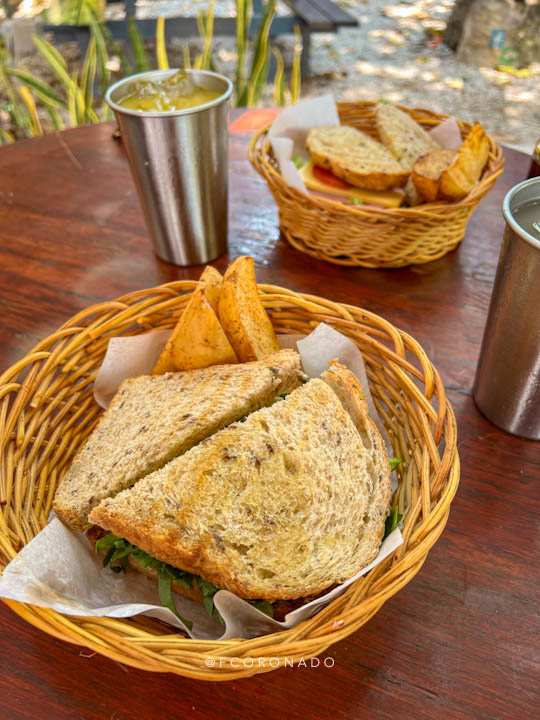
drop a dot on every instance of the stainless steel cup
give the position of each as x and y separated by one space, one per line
507 384
179 163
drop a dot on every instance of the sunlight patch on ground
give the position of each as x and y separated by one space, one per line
367 68
390 36
512 94
387 49
404 11
404 73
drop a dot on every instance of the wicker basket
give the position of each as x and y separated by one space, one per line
371 237
47 410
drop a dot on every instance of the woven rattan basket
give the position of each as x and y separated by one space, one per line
371 237
47 410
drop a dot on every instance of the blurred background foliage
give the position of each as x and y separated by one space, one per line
76 97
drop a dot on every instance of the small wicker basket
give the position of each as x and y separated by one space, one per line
371 237
47 410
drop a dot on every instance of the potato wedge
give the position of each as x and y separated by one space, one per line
212 280
197 341
426 172
242 313
459 179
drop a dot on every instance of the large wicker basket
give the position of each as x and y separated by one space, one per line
371 237
47 410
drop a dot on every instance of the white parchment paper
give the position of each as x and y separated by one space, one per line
289 132
58 569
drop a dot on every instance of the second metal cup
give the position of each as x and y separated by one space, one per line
507 384
179 162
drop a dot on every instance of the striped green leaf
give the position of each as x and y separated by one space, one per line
259 72
102 56
296 78
161 49
53 58
243 20
279 83
141 57
116 50
28 100
42 90
56 121
187 59
19 114
6 137
208 36
88 75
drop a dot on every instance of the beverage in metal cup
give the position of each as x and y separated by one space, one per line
507 384
179 162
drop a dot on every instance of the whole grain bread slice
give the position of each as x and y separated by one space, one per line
402 135
355 157
281 506
153 419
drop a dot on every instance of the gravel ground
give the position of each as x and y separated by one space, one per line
393 53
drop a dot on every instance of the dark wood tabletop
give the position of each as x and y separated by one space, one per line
461 639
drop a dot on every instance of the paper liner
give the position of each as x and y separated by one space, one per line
59 569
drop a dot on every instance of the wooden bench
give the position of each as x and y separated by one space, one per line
312 16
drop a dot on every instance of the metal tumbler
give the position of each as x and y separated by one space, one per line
179 161
507 384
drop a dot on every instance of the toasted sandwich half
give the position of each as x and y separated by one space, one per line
281 506
153 419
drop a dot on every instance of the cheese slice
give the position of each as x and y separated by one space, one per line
384 198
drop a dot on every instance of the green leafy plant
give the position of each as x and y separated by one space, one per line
74 103
161 50
142 61
34 106
205 23
392 521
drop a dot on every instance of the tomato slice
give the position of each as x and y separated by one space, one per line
327 177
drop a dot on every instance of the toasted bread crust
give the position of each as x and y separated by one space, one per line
355 157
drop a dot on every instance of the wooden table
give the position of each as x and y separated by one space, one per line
461 640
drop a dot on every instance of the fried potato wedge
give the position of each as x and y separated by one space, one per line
212 280
464 172
242 313
426 172
198 340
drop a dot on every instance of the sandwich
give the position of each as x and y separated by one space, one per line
153 419
277 507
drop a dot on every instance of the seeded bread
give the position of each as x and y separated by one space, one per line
280 506
403 136
355 157
152 419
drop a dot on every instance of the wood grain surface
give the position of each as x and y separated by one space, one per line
461 640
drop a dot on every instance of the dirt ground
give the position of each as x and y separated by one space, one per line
394 53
